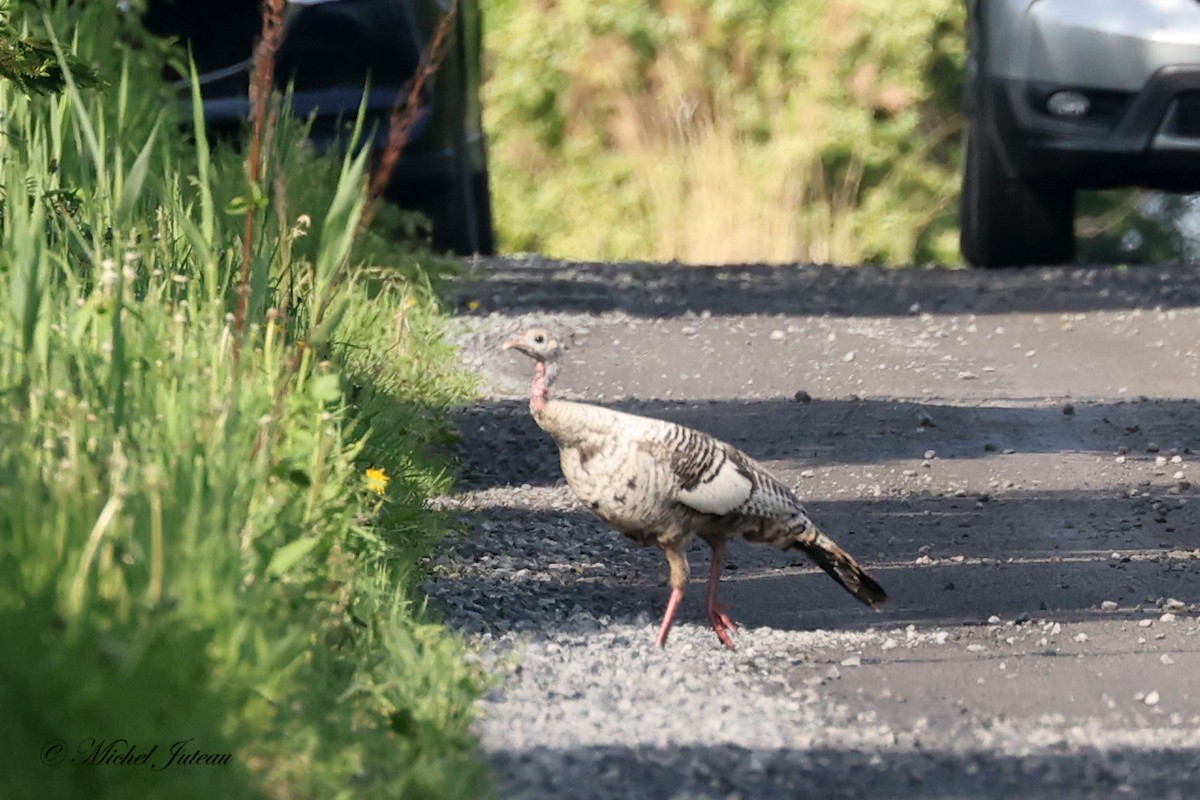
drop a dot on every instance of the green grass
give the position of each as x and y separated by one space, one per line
189 548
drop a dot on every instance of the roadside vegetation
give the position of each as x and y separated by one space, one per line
732 131
220 402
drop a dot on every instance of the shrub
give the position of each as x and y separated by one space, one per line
729 130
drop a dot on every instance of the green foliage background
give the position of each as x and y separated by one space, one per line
861 96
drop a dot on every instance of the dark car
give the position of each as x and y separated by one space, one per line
329 51
1062 95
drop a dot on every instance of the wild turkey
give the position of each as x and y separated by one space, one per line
659 483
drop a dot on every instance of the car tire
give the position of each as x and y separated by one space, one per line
462 216
1006 221
461 213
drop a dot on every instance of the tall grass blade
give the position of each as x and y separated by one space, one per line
28 283
135 181
82 119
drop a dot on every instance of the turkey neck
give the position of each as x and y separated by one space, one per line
561 419
539 393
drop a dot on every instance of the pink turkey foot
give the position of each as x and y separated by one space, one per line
721 623
669 617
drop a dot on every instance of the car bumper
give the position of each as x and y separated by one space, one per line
1117 44
1149 138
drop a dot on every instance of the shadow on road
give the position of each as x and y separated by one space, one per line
830 772
943 561
502 445
535 285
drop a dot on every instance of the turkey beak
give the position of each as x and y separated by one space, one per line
515 344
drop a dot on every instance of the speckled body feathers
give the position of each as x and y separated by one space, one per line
659 482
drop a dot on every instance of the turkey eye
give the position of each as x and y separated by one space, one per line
539 339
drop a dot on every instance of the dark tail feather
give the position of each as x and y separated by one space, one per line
826 554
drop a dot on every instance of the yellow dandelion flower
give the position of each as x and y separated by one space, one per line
377 480
474 305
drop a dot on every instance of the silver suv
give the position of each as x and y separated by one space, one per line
1062 95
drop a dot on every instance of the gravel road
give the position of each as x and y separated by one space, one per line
1011 453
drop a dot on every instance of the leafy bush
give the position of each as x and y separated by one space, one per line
815 130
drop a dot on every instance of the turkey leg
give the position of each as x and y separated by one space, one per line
669 617
673 549
716 615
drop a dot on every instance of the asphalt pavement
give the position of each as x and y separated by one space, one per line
1011 453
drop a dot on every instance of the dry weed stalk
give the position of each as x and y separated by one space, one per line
262 119
406 111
